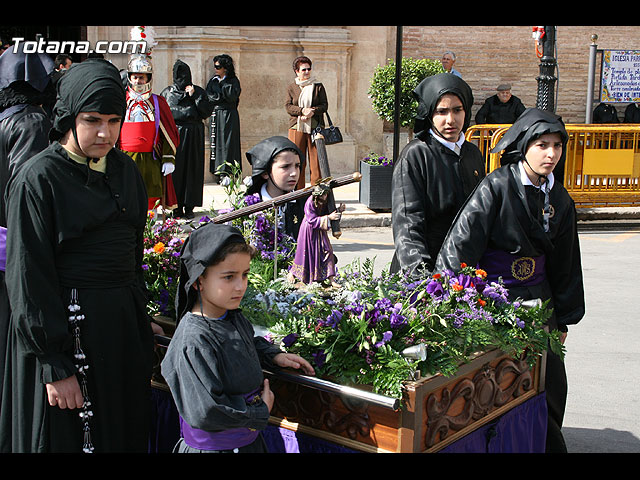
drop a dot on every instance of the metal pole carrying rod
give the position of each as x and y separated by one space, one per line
327 386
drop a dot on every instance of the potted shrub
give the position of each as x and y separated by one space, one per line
375 186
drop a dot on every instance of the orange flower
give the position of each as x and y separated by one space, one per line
481 273
158 247
463 265
151 213
482 302
457 287
436 276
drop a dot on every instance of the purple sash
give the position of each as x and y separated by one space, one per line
3 248
223 440
515 270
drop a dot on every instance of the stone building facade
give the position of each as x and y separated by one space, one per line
345 57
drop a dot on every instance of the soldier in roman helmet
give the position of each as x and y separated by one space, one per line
149 134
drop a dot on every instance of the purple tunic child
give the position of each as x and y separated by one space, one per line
314 260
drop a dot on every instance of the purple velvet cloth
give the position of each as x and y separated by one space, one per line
3 248
314 260
521 430
515 270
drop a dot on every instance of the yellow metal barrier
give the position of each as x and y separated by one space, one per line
602 165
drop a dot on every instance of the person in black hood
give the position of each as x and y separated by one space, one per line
434 173
520 225
24 132
189 106
80 350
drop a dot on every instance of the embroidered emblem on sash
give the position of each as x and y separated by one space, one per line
523 268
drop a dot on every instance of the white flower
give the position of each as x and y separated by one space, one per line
225 182
248 181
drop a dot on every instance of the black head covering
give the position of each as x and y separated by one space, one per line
431 89
262 154
33 68
90 86
181 75
531 124
198 252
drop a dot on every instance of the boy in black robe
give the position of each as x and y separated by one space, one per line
76 214
434 174
520 224
214 362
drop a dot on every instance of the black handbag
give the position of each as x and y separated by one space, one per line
331 133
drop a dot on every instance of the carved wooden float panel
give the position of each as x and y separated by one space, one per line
436 411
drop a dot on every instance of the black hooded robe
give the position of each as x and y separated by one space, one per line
188 111
504 217
224 124
24 132
55 246
430 182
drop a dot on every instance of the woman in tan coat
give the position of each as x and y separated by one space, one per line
306 104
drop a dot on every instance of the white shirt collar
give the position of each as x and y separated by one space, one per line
524 178
446 143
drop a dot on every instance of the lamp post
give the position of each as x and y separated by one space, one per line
547 79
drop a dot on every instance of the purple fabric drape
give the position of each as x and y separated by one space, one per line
520 430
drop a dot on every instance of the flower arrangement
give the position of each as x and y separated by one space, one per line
380 160
161 263
383 330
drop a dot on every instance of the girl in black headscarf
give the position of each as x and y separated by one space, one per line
434 173
214 362
520 224
80 347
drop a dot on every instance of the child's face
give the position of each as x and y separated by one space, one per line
285 171
544 153
223 285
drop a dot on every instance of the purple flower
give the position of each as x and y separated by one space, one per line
495 292
290 339
332 319
319 358
435 289
386 336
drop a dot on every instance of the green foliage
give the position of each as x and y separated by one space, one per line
382 89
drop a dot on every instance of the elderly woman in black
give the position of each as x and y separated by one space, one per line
80 347
306 103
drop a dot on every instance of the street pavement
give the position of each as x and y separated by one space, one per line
603 350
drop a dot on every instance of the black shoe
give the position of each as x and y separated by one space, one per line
188 213
178 212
